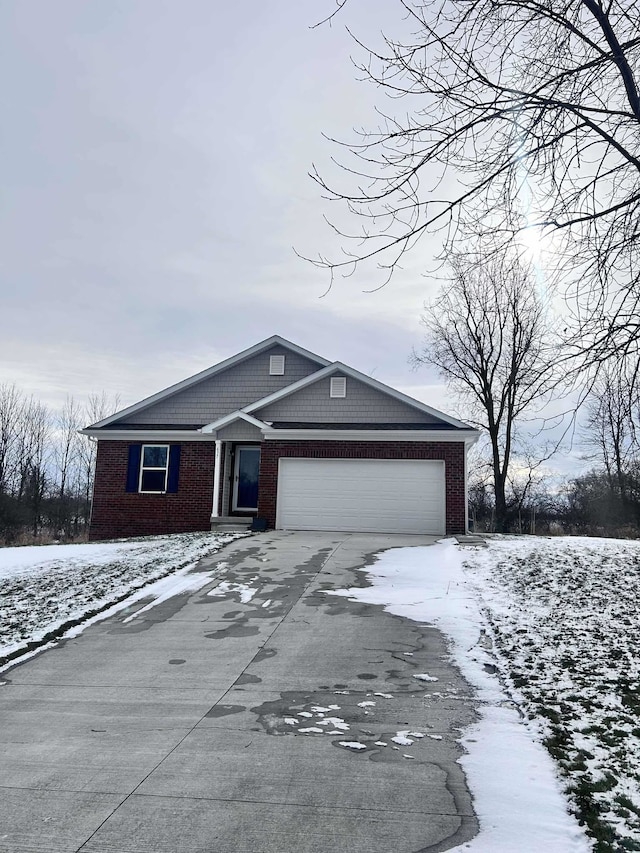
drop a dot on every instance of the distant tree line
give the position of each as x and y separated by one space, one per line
587 505
604 501
46 466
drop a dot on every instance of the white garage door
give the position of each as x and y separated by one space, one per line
361 495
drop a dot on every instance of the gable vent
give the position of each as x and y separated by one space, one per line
276 365
338 386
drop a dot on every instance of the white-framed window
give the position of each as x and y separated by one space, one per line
276 365
338 386
154 466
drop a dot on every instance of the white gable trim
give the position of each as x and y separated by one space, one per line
468 436
146 435
211 371
338 367
230 418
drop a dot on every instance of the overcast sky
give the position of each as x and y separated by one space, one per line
154 158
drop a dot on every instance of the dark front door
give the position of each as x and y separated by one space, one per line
245 482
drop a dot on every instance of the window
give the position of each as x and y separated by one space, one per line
153 469
154 465
338 386
276 365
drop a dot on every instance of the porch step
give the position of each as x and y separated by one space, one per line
230 522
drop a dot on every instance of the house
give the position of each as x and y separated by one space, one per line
285 435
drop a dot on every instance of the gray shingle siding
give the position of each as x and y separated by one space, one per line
227 391
240 431
362 404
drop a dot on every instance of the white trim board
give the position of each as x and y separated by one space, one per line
147 435
468 436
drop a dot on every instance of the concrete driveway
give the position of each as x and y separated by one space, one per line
180 731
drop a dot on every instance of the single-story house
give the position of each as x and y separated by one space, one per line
279 433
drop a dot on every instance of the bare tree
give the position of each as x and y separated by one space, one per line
512 115
487 335
33 458
67 423
12 403
613 411
46 467
98 407
66 458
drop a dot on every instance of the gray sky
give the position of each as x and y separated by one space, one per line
154 157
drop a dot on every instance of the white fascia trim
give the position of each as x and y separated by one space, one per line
468 436
338 367
230 418
146 435
211 371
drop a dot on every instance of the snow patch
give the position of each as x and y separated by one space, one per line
512 778
245 591
43 588
402 739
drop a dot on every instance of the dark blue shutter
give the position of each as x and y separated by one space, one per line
133 469
174 468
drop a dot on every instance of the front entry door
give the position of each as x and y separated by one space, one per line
245 478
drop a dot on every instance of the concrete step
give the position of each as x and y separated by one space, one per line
230 522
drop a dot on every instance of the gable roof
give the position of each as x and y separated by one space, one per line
231 418
274 340
344 370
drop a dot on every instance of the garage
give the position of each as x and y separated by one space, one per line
361 495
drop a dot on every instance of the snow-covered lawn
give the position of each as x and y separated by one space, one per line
547 629
45 589
563 618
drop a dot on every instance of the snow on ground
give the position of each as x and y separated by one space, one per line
563 619
244 591
547 632
45 589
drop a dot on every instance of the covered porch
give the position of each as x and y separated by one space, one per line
236 472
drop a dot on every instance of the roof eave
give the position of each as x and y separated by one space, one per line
146 435
466 436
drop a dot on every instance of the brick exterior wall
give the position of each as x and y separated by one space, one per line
116 512
451 452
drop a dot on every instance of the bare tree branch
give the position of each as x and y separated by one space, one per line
518 116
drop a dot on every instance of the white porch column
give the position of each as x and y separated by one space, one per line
467 447
217 476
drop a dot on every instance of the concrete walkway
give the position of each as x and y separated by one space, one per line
169 733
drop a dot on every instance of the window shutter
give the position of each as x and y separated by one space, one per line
174 468
133 467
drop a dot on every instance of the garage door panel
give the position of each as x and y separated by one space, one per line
404 496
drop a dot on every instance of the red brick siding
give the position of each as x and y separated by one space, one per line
116 512
451 452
